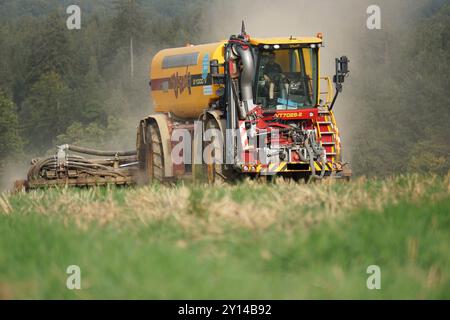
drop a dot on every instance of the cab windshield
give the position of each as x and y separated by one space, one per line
287 78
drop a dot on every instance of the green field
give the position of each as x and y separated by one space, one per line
251 240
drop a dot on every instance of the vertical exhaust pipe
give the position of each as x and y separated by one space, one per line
247 75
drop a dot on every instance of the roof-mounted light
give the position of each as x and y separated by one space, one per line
320 35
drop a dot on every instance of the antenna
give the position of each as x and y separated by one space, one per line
243 28
244 34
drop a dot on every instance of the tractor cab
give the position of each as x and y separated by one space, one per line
287 74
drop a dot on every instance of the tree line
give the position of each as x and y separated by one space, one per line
403 121
60 86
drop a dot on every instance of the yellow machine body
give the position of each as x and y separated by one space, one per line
181 83
180 79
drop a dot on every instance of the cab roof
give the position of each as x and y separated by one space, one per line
285 40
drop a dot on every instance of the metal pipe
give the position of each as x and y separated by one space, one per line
247 75
231 111
95 152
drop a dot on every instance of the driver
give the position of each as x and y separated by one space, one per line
273 75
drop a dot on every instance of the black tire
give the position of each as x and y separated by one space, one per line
213 172
152 155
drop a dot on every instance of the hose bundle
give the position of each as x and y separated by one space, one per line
60 164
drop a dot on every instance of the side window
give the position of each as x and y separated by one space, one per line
180 60
282 59
307 58
295 65
310 72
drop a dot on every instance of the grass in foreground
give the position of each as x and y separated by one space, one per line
261 241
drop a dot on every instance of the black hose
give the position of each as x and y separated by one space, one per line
311 162
322 173
312 165
95 152
75 163
334 100
36 168
98 172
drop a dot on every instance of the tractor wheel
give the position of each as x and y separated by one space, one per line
212 171
153 160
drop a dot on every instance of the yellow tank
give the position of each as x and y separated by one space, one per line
180 79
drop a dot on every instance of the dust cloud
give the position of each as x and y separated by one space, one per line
11 172
343 24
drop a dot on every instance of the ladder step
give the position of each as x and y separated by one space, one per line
323 109
326 132
328 143
323 122
331 153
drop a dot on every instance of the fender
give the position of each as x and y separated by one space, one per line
163 125
218 116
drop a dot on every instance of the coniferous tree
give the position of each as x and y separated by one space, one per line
11 143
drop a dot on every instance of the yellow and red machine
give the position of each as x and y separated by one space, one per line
242 106
259 125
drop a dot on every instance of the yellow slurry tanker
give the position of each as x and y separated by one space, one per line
239 107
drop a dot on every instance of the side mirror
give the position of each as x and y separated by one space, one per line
339 78
214 67
341 72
